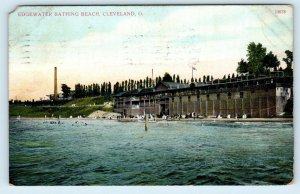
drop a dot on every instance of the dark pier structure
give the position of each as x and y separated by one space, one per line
262 97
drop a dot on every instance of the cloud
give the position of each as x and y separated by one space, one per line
113 49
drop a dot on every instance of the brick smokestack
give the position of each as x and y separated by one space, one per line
55 84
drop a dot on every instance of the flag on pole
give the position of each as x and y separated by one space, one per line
194 68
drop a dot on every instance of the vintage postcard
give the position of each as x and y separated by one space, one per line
151 95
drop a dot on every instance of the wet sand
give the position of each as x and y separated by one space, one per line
160 119
220 120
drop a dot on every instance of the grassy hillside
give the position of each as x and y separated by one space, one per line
66 110
89 101
32 111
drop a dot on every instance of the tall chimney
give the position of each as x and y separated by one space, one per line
55 84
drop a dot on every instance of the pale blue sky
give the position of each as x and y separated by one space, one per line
113 48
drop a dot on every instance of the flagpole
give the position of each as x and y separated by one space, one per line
152 84
193 68
192 72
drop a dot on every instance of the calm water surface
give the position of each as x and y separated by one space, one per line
169 153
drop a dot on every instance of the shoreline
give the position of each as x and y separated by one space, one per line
220 120
169 120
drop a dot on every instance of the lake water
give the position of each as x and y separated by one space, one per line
103 152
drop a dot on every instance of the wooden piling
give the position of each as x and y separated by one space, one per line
146 123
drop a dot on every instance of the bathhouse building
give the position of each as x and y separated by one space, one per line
256 97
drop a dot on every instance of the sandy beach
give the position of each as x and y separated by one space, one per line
160 119
220 120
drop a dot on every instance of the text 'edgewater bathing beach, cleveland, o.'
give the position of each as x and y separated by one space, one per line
78 14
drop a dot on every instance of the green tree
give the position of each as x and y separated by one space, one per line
150 82
123 86
102 90
255 55
167 78
159 79
147 82
84 90
116 88
109 92
66 90
78 91
96 90
271 61
129 85
89 90
156 80
243 67
177 79
288 60
207 78
132 84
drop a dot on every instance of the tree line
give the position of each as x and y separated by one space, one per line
127 85
258 62
106 89
82 91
